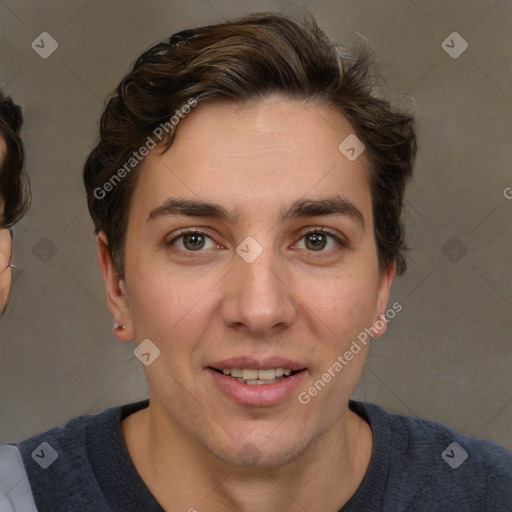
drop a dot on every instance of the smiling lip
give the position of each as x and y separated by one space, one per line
250 363
264 395
254 395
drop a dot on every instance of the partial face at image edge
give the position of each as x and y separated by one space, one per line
5 247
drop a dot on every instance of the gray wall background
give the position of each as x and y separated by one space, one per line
446 357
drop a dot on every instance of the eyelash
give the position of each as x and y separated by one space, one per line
341 243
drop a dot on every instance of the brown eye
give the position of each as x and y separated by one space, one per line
321 241
316 241
189 241
194 241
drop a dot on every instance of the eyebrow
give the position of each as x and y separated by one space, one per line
301 208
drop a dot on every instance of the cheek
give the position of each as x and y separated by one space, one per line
343 308
343 303
165 306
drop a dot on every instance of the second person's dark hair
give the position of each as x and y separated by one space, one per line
14 182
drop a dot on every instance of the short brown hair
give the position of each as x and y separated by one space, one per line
246 60
14 182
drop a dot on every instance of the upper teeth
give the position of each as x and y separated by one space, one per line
245 374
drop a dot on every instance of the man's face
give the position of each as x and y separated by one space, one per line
298 305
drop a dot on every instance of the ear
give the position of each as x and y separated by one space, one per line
116 291
385 282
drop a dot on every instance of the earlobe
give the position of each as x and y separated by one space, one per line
119 332
117 298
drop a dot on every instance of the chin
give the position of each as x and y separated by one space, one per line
262 453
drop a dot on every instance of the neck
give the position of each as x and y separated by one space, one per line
323 477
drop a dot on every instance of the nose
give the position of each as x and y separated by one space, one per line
258 296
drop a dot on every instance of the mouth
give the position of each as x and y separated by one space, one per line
257 383
253 377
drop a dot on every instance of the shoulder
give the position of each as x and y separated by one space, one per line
446 465
68 442
48 462
15 493
60 464
439 443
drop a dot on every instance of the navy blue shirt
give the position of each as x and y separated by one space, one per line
416 465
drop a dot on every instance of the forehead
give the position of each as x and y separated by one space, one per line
247 157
